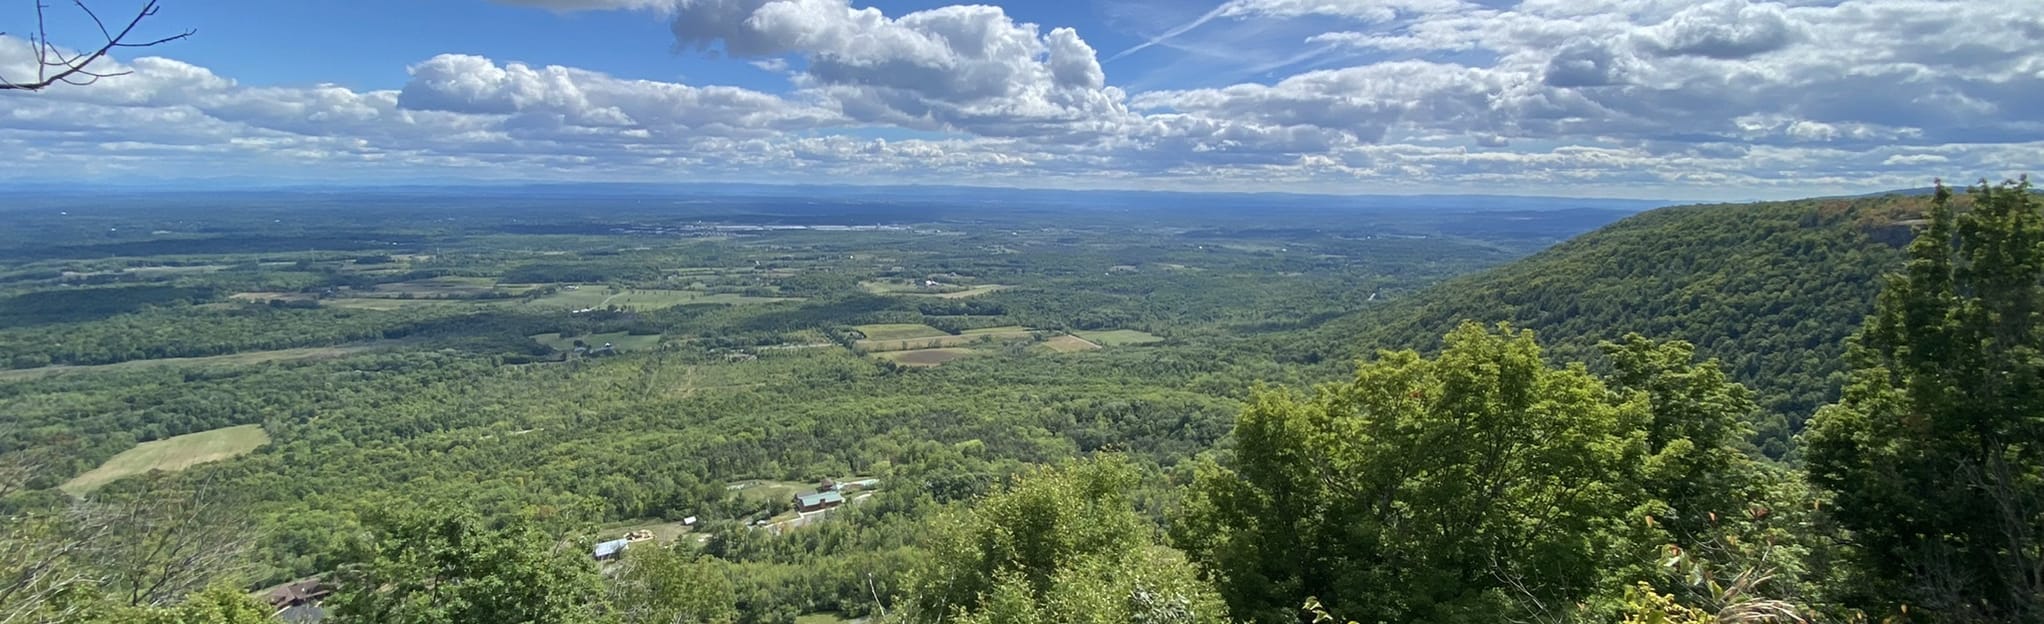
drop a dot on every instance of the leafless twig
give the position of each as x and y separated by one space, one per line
56 66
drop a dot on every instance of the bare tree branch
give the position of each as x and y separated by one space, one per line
54 66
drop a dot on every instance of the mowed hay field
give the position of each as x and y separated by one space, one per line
172 454
588 297
444 288
1119 337
232 359
923 358
973 292
896 288
899 331
943 340
1068 343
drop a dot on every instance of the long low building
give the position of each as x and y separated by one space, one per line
818 501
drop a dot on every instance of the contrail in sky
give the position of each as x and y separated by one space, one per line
1175 32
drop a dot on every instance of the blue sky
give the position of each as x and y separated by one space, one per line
1641 98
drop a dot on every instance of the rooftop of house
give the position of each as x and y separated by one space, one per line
819 498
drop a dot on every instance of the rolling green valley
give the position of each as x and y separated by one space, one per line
1389 416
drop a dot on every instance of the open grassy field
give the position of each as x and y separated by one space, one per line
443 288
1067 343
899 331
664 532
623 341
923 358
942 292
761 489
826 617
586 297
1005 329
231 359
266 297
998 334
148 270
172 454
973 291
1119 337
385 304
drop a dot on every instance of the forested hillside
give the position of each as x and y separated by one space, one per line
1770 290
994 423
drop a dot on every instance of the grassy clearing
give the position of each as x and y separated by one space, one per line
231 359
1119 337
172 454
899 331
664 532
947 291
585 297
149 270
266 297
621 340
386 305
761 489
826 617
1007 329
923 358
1068 343
974 291
441 288
1017 334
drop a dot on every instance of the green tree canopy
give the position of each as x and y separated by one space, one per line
1457 489
1934 452
1063 545
658 585
451 569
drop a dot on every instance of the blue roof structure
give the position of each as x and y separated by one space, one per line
611 548
819 498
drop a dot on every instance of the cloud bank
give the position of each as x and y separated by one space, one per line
1726 98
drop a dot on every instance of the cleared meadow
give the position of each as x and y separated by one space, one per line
1119 337
231 359
923 358
620 340
1068 343
171 454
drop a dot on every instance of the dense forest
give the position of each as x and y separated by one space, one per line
1815 411
1771 291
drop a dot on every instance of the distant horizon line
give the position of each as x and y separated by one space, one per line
232 185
